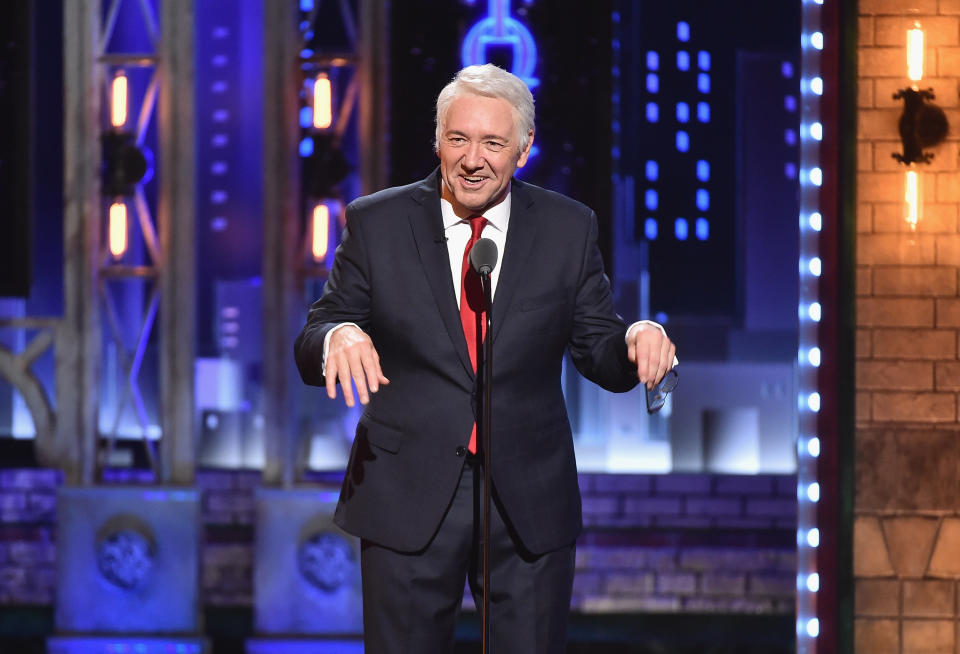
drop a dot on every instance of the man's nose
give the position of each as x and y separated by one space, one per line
473 157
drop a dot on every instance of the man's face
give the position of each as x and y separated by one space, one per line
479 153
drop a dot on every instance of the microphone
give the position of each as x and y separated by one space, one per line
483 256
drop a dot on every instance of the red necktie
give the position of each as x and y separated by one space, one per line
471 307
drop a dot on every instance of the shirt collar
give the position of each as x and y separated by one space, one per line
497 215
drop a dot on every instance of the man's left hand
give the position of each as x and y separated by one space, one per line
654 353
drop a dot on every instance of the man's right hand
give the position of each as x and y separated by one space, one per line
351 356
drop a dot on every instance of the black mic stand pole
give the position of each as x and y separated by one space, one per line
485 443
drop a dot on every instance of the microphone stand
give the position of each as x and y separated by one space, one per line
485 441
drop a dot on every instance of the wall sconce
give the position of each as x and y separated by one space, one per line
922 125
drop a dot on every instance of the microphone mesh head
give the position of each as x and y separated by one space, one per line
483 256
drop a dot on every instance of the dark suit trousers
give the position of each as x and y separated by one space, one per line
411 601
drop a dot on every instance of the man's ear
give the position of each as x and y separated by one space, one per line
525 153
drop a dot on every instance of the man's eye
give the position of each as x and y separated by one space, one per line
494 145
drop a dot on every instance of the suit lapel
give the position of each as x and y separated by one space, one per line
427 224
521 236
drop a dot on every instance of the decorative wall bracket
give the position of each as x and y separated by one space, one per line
922 125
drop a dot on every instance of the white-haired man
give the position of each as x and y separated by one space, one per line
400 321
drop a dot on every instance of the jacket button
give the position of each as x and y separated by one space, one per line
461 450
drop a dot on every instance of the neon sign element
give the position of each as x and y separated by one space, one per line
499 28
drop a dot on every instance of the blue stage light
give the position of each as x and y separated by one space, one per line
683 112
653 60
683 60
702 229
703 112
651 200
703 199
683 31
306 146
683 141
652 170
703 83
681 229
653 112
703 60
653 83
650 229
703 170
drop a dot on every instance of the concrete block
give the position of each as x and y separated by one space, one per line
138 547
929 598
306 570
745 485
676 584
935 344
872 636
896 249
683 483
909 542
945 561
911 280
895 312
928 636
895 375
622 583
927 407
870 558
877 597
723 584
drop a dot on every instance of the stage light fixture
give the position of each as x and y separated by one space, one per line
322 102
320 230
117 228
118 100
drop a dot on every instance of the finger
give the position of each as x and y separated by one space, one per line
344 376
356 372
643 354
381 378
671 356
663 363
331 377
632 349
371 370
653 362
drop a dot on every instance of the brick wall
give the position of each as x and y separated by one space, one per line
652 543
687 543
906 535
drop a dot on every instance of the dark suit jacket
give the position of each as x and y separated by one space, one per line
391 276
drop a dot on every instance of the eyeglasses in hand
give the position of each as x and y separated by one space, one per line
657 397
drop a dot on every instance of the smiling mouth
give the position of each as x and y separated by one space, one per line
472 180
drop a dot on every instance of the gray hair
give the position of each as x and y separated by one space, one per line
492 82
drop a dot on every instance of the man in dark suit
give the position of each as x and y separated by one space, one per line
394 322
